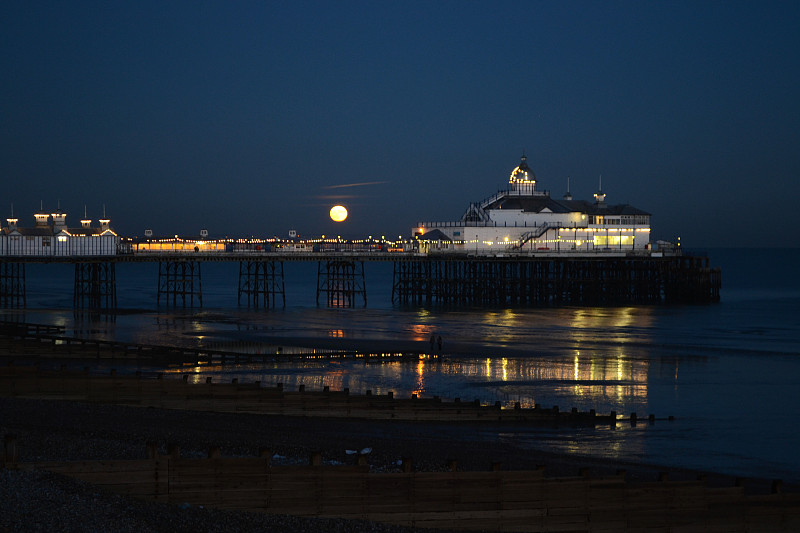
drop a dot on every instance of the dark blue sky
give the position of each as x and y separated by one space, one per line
239 117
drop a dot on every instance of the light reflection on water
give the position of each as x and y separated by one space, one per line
587 382
488 379
663 361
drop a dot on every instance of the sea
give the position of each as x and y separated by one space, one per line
727 373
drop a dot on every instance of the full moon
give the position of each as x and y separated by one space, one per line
338 213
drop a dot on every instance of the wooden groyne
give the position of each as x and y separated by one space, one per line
26 341
21 330
178 391
542 281
495 500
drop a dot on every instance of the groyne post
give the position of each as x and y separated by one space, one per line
9 458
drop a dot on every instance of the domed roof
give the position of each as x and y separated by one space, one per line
523 173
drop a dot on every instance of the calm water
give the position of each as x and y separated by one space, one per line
728 372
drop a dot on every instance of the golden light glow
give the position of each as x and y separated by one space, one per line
419 389
520 175
613 240
179 245
338 213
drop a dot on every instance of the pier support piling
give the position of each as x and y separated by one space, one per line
180 283
95 286
523 282
261 282
342 282
12 285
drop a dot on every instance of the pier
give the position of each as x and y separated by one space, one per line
518 247
523 280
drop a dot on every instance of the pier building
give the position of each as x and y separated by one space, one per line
524 218
174 244
50 236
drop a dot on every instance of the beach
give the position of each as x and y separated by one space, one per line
60 430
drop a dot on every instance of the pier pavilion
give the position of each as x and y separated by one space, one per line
524 218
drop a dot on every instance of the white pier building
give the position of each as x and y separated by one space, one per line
50 236
523 219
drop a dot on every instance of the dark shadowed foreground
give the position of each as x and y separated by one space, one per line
48 430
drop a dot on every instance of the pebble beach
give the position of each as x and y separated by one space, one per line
55 430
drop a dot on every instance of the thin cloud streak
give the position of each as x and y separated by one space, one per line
328 205
354 184
337 196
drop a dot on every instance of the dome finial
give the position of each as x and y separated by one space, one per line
600 196
523 175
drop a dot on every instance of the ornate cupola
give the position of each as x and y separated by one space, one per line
104 222
59 220
12 222
600 196
41 217
86 222
522 178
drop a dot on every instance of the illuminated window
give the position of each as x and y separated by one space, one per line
613 240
